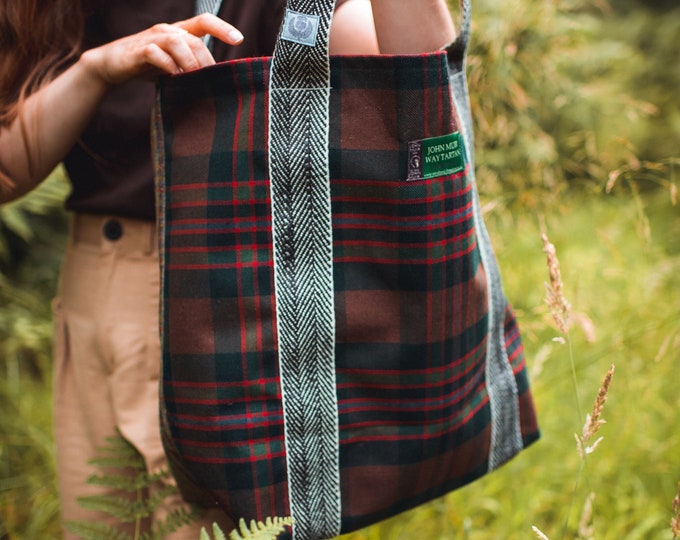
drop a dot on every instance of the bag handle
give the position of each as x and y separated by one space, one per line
302 47
302 234
457 50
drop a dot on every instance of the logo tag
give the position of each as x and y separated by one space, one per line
437 156
300 28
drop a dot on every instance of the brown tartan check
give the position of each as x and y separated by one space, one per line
411 292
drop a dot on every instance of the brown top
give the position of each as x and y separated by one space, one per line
110 167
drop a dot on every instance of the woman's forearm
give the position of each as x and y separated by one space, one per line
412 26
51 121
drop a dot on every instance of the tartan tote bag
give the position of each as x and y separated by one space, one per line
336 341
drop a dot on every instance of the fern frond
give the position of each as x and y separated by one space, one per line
121 461
95 531
137 495
219 534
172 522
128 484
124 510
159 495
269 530
118 453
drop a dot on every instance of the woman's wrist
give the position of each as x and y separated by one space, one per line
90 72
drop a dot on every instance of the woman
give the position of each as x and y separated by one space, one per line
77 87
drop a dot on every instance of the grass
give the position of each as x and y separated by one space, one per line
626 283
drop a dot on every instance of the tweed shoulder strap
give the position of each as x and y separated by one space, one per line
303 264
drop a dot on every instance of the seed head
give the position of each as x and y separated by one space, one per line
594 420
558 304
675 522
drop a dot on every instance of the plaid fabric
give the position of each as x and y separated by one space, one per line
411 292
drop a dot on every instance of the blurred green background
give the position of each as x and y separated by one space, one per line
577 121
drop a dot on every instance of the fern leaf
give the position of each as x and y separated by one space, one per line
126 476
128 484
269 530
118 461
124 510
174 521
158 498
95 531
219 534
118 453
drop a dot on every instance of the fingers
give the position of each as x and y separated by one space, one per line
178 47
158 58
164 48
175 49
210 24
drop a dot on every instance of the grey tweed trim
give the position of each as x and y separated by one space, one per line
506 434
303 273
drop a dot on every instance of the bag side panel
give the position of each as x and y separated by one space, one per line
411 293
220 379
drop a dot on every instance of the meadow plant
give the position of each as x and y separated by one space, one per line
269 530
586 443
560 308
593 421
675 522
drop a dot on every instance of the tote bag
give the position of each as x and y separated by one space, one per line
337 346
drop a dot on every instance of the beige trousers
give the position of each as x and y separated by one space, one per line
107 360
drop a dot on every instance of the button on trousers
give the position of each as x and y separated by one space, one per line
107 360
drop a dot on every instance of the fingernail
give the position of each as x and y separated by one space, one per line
235 36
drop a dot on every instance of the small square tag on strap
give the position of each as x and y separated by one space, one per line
300 28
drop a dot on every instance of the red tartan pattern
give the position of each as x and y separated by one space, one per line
411 293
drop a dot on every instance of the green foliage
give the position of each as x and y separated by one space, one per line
30 219
269 530
217 532
138 495
32 235
29 506
563 92
32 232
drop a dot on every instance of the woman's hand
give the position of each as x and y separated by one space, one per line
52 119
163 48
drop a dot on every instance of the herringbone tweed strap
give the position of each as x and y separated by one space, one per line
506 438
303 264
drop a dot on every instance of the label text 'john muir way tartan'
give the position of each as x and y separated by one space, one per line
436 156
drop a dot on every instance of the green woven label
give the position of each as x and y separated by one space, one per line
437 156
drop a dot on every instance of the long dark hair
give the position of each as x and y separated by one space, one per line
38 39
